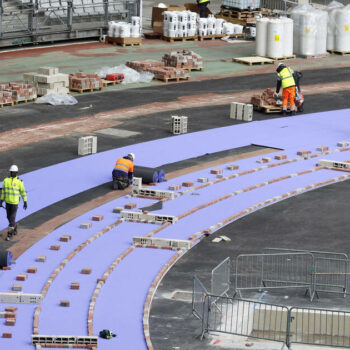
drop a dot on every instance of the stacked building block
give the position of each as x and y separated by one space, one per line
241 111
178 125
17 92
183 59
47 81
87 145
81 81
166 73
144 65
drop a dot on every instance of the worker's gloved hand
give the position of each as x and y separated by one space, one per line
276 95
25 206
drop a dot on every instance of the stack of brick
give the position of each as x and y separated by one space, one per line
17 92
169 73
183 59
144 65
82 81
266 98
48 80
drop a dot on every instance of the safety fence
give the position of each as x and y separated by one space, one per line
271 322
50 20
279 268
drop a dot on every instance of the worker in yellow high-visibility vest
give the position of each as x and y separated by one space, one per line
202 5
286 79
12 190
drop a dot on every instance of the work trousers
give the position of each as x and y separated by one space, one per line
202 9
289 97
11 211
120 183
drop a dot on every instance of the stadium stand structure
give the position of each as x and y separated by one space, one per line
38 21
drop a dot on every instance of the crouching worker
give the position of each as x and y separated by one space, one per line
123 172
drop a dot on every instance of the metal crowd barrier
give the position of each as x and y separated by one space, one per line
199 294
221 278
274 271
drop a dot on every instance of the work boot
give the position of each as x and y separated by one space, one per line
9 233
293 113
15 229
284 113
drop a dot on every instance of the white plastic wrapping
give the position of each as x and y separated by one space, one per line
287 36
342 29
57 99
219 24
261 36
310 30
332 9
228 28
275 32
130 75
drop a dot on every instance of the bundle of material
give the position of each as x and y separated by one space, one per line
82 81
5 97
265 99
18 91
48 80
144 65
183 59
169 73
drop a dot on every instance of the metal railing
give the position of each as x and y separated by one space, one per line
199 294
221 278
274 271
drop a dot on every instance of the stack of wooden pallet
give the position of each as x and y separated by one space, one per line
243 18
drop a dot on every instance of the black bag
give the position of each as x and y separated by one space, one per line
107 334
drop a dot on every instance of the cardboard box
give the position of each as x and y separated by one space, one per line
158 27
157 13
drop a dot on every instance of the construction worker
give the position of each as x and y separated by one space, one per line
12 190
202 5
286 80
123 172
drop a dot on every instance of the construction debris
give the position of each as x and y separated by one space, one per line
221 238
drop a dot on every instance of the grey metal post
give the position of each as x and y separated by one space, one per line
105 6
69 14
31 16
289 320
1 13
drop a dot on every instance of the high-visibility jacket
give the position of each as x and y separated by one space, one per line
124 165
12 190
286 77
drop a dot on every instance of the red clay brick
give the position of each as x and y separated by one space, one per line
188 184
75 285
55 247
86 271
281 156
301 153
7 335
10 321
65 238
97 217
32 269
130 205
216 171
21 277
65 303
11 308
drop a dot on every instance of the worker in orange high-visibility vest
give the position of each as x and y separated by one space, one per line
286 79
123 172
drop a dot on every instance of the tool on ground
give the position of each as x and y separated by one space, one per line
107 334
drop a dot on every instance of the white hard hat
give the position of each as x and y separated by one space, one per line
280 64
14 168
132 156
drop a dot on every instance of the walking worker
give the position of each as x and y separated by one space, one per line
202 5
12 190
123 172
286 79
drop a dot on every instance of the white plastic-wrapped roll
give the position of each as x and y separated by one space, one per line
135 21
342 29
321 33
183 16
274 46
124 30
287 36
135 31
308 30
238 29
261 36
228 28
332 9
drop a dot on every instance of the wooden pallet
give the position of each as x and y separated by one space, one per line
6 104
239 14
194 69
186 38
242 22
283 58
110 82
84 90
152 35
25 101
124 41
342 53
251 60
321 55
171 79
219 36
